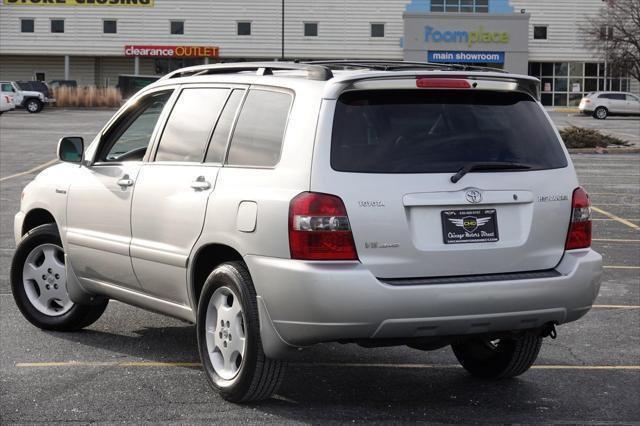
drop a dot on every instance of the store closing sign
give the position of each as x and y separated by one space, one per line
87 3
171 51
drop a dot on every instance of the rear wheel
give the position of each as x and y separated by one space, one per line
500 358
39 284
229 337
600 113
33 105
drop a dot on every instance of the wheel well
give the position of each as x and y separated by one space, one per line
205 261
36 217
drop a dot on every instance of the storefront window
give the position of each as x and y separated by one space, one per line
564 84
590 84
576 69
534 69
464 6
547 69
560 99
561 85
561 69
591 70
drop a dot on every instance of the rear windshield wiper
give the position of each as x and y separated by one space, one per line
487 166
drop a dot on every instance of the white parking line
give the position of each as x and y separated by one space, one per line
33 170
616 218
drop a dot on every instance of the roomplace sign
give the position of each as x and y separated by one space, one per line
89 3
171 51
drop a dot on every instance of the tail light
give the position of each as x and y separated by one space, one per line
442 83
579 235
319 228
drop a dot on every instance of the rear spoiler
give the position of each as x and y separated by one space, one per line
399 80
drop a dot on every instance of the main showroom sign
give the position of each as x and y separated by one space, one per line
89 3
171 51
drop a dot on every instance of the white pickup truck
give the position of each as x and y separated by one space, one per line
32 101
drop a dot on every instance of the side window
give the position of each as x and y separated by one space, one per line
257 138
188 129
7 87
128 139
218 145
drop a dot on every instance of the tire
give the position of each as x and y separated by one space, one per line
503 359
33 105
247 374
600 113
38 284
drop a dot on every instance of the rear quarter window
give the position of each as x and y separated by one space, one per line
257 138
440 131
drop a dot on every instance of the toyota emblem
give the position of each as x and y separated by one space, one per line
473 196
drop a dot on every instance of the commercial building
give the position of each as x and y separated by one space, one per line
94 41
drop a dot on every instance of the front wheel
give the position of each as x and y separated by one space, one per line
229 342
34 105
500 358
39 284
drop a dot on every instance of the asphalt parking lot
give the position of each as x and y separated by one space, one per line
136 366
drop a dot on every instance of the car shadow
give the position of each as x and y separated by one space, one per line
153 344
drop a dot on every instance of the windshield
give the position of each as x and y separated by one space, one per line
411 131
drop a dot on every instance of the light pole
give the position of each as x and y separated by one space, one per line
282 51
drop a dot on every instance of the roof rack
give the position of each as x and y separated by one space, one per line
314 72
382 65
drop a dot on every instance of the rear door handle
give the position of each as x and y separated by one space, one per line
125 181
200 184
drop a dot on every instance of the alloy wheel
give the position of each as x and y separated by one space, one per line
44 277
225 333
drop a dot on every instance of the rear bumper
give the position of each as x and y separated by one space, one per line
310 302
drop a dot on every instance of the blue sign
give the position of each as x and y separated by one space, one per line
457 57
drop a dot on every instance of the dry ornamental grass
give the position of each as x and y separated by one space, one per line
89 96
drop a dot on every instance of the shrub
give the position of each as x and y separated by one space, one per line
578 137
89 96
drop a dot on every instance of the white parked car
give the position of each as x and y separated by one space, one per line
280 205
6 102
604 104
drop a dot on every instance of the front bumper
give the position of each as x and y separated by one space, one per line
311 302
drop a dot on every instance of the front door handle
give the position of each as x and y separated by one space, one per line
125 181
200 184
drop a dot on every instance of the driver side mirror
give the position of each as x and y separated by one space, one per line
71 149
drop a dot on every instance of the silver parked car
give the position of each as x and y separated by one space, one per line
603 104
279 205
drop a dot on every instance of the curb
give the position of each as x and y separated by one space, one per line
563 110
608 152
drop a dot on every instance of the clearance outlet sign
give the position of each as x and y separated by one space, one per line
171 51
87 3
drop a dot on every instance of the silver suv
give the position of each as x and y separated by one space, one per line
280 205
601 105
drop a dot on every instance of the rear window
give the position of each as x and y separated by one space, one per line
440 131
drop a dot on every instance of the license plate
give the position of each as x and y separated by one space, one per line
469 226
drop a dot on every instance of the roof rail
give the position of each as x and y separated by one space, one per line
314 72
382 65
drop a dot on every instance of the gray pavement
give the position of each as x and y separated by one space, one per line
139 367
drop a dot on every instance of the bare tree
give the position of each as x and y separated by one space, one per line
616 33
